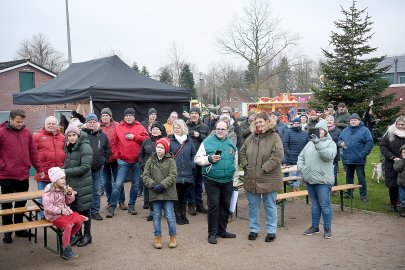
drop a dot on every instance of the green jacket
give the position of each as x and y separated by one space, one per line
162 171
261 157
77 167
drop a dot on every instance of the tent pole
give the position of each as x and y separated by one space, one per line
91 105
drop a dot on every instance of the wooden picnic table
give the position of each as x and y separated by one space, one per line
20 196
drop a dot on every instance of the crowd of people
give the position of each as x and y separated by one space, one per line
172 164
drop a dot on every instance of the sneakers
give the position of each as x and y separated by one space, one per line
252 236
270 237
327 233
96 216
123 206
110 213
7 238
311 231
158 242
192 210
68 254
173 242
212 239
132 211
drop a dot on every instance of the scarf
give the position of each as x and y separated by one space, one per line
399 133
181 138
332 127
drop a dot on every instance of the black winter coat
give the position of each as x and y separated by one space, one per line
390 150
184 159
147 148
335 133
201 128
101 148
78 159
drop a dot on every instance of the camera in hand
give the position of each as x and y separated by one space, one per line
218 152
314 131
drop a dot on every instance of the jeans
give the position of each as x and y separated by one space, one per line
41 186
12 186
361 175
167 207
97 184
320 204
123 168
218 200
335 171
110 172
296 183
195 191
270 208
402 196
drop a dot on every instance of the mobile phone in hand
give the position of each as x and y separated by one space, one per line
314 131
218 152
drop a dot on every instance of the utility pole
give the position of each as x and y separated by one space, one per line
68 33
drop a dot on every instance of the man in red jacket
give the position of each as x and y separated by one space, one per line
17 152
126 144
110 170
50 144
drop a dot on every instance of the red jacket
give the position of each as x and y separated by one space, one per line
51 151
17 151
128 150
109 131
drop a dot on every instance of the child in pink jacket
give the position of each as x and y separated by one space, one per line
55 199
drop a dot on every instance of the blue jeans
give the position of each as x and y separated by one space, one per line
123 168
167 207
320 204
97 184
270 208
361 175
41 186
402 196
110 172
296 183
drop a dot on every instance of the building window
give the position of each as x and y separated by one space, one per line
66 113
26 81
389 77
4 116
401 78
235 99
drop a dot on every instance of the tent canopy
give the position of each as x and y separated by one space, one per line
102 80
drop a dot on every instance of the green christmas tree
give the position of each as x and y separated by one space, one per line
166 76
350 75
187 80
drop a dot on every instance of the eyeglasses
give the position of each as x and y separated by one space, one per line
401 125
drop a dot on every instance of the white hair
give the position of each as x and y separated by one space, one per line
49 118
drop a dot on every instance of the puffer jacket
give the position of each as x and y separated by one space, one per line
335 133
294 140
128 150
51 151
101 148
162 171
109 131
359 144
316 160
201 128
54 201
399 166
261 157
77 167
184 160
17 152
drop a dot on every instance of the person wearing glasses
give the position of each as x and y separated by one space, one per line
218 158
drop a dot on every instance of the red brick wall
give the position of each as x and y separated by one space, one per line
399 92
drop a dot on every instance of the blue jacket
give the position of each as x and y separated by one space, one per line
359 144
294 140
281 128
184 159
335 133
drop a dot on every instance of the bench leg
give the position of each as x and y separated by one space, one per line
282 207
341 200
285 187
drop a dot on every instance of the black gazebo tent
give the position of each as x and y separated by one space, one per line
109 82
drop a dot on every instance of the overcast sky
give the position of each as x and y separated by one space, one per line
143 31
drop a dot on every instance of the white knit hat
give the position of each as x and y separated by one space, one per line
56 173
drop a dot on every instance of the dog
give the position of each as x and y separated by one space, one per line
377 171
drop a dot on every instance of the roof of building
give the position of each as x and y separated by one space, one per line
390 61
6 66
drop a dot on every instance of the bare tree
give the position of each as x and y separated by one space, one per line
40 51
112 52
177 61
305 73
256 37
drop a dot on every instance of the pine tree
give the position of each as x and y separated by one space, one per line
350 75
135 66
145 71
284 77
187 80
166 76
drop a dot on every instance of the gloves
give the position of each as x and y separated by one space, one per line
313 138
158 188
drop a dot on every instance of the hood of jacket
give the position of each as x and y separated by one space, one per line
270 126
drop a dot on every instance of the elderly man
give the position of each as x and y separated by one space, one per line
357 143
218 157
17 152
50 144
126 144
110 170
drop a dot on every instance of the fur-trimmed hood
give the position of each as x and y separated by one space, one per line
270 126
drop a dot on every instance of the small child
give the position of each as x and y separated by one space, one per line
159 177
399 166
55 200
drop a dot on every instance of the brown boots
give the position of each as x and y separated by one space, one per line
157 243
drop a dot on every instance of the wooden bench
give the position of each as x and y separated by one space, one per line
20 210
287 179
282 197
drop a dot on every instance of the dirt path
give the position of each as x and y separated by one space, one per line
361 240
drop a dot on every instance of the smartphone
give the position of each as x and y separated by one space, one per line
218 152
314 131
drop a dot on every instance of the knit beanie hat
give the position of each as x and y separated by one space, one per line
55 173
355 116
91 116
161 127
130 111
330 116
72 128
195 109
296 119
106 111
226 109
152 110
165 142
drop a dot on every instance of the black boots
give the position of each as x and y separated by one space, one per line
192 209
7 238
201 208
183 212
177 214
393 208
86 239
76 238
